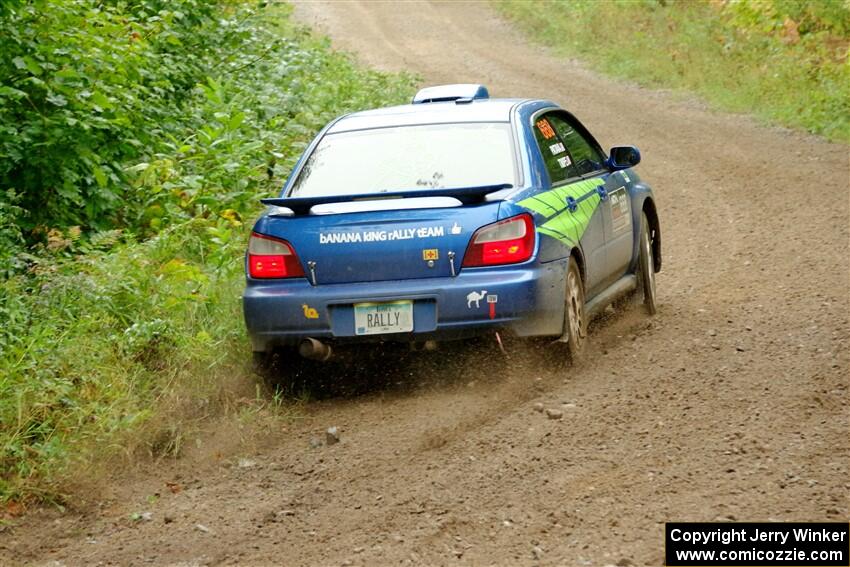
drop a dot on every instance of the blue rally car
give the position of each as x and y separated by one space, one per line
451 217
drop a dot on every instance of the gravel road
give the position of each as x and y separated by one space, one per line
731 403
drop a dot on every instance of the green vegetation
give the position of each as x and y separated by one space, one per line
136 138
783 60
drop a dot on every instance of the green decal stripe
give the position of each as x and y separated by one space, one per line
590 205
538 206
556 198
550 199
556 235
574 223
563 224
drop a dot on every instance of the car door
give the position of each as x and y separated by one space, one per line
578 220
614 199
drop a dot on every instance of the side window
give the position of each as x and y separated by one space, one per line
558 162
586 157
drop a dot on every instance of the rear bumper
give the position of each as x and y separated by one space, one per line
529 302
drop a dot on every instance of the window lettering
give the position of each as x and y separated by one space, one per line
545 129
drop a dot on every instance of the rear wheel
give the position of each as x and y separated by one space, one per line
575 319
646 268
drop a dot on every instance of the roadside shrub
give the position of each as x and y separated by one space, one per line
88 85
89 345
117 113
120 310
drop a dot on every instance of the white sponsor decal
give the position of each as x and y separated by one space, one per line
621 218
456 228
556 148
380 235
564 161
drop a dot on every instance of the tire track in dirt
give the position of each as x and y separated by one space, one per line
731 403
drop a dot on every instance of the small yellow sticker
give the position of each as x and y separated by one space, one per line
309 312
430 254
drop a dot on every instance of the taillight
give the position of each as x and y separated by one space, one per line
272 258
506 242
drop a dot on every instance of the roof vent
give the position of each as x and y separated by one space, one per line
449 93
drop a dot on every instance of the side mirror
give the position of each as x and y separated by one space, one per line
623 157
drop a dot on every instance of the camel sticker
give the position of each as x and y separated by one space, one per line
475 297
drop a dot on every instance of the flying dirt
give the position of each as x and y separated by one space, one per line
730 404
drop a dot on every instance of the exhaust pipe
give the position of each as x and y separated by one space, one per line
314 349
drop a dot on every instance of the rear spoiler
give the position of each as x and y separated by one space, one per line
466 195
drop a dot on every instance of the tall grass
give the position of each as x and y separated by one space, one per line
93 345
785 61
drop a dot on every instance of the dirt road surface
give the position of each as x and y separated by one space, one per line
732 403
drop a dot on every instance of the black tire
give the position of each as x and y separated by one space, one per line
575 316
282 370
646 268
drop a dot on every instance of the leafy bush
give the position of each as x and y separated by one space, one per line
88 85
783 60
121 313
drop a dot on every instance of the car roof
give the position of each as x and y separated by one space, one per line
477 110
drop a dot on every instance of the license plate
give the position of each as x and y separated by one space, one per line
379 318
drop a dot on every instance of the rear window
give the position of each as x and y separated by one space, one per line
408 157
